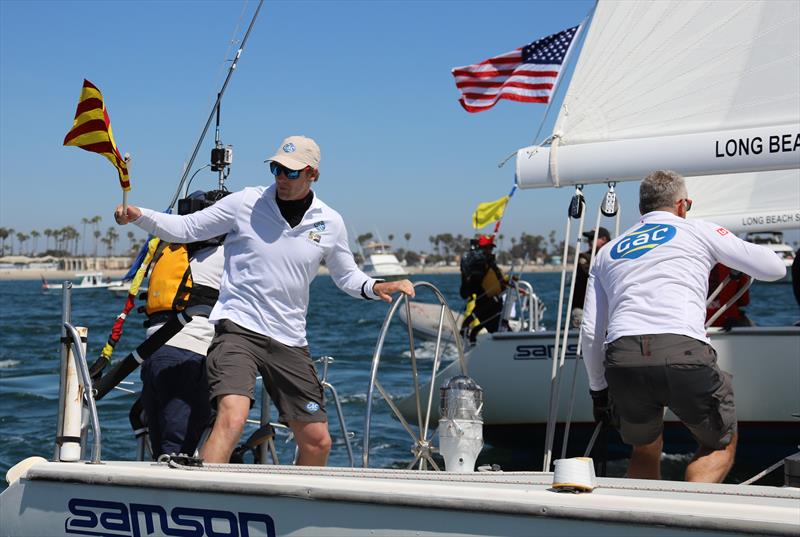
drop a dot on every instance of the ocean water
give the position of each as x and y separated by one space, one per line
339 326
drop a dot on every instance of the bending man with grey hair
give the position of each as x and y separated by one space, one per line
644 313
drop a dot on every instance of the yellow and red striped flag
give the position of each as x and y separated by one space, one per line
91 131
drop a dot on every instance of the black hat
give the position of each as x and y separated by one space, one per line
602 233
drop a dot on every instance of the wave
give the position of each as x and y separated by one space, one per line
8 364
427 349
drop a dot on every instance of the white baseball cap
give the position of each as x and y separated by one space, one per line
297 152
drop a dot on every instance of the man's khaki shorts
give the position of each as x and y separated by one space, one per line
237 355
650 372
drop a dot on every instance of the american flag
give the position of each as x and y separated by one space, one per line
526 74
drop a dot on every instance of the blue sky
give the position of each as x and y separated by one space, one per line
370 81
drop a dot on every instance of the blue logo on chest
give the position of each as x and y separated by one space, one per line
639 242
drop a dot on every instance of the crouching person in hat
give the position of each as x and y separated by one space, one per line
582 275
482 283
277 237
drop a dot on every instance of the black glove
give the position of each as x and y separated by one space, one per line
96 369
601 407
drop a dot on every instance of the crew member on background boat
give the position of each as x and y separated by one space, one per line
175 394
276 238
732 281
482 283
582 275
646 300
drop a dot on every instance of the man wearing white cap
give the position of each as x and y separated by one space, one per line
276 238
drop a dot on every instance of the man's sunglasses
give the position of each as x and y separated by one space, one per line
688 204
278 169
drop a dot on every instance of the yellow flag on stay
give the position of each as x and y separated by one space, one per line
488 212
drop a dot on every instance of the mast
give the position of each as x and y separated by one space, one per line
215 108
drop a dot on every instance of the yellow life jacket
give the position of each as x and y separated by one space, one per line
170 279
491 284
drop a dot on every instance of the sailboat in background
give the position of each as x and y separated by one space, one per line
759 206
680 86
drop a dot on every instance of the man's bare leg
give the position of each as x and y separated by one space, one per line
712 465
232 413
314 442
645 460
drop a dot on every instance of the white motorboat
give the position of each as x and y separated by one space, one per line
123 288
89 280
380 262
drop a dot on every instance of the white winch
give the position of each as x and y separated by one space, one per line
460 424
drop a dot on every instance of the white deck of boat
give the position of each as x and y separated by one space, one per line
748 509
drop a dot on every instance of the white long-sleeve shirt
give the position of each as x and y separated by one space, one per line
653 279
268 264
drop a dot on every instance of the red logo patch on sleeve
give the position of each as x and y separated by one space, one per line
722 231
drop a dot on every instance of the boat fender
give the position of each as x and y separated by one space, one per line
21 468
574 475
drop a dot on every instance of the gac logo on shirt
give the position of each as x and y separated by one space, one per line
639 242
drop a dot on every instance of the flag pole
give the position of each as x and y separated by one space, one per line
127 159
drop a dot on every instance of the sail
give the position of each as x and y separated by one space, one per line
701 88
763 201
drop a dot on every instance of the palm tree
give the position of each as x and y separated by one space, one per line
407 236
111 236
47 233
132 239
35 234
95 221
21 238
11 231
107 241
361 239
115 238
391 237
70 238
85 221
3 237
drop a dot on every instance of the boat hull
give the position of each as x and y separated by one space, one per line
514 370
137 499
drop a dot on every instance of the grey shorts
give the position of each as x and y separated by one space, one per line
237 355
647 373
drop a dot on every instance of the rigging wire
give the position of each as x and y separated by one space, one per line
231 69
